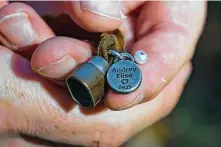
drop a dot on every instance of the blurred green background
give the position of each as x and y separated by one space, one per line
196 120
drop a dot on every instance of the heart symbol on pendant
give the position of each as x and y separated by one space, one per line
124 81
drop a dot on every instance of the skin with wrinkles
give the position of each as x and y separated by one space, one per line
36 105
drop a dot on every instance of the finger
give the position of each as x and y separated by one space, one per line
19 140
21 27
99 16
52 62
127 28
168 33
15 140
152 111
31 105
3 3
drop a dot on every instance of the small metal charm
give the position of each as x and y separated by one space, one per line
124 76
86 83
140 57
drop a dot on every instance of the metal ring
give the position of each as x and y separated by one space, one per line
115 54
127 55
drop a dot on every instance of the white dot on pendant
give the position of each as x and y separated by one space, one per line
140 57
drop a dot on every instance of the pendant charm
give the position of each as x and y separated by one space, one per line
140 57
124 76
86 83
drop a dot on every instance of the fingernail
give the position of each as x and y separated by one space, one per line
109 9
58 69
138 99
17 29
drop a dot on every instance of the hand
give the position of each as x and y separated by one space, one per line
30 104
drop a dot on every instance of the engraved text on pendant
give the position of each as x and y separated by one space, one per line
124 76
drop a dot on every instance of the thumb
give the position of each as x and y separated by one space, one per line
99 16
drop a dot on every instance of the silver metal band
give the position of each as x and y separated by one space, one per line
115 54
